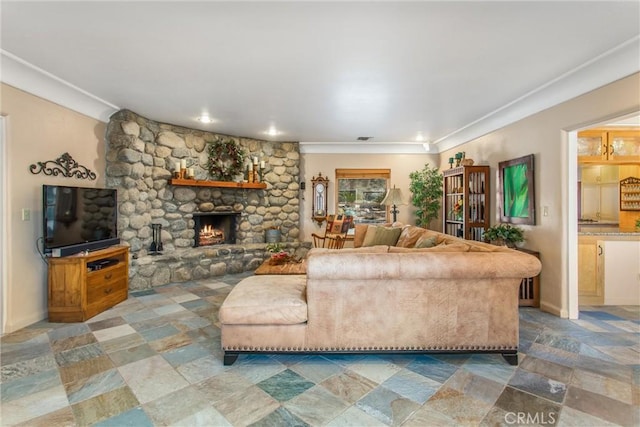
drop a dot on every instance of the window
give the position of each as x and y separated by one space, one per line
360 193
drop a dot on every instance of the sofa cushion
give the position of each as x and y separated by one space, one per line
382 236
266 300
426 242
409 235
360 231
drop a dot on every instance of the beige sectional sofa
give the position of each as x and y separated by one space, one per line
452 296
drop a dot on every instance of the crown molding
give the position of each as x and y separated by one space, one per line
364 148
615 64
25 76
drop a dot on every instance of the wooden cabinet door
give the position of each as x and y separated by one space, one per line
590 271
592 146
623 146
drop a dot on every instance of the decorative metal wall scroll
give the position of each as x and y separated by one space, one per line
64 165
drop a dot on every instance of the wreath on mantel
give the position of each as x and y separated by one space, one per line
226 159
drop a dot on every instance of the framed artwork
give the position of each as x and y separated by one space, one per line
516 192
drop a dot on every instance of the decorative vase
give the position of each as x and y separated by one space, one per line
273 235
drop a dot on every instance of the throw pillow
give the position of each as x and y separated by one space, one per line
409 235
383 236
370 236
425 242
359 234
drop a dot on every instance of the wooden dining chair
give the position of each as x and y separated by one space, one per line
335 234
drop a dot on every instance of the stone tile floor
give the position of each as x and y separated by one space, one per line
155 359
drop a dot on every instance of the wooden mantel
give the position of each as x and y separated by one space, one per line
219 184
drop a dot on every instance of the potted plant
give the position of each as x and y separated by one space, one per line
426 187
504 235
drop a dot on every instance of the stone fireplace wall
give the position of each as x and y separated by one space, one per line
141 155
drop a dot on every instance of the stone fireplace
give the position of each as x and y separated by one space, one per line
141 155
214 228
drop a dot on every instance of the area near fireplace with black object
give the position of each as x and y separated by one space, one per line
102 263
215 228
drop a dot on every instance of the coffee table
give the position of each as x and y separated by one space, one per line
286 268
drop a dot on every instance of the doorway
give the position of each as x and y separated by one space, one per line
4 275
573 211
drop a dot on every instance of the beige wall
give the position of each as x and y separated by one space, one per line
38 130
541 135
400 164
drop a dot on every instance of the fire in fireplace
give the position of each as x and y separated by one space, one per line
215 228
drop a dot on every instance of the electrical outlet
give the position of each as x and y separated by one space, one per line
26 214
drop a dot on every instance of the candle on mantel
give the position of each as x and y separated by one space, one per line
183 164
190 173
262 164
177 167
255 160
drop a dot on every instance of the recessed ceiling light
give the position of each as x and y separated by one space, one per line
205 119
419 137
364 138
272 131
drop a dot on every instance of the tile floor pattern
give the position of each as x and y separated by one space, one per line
155 359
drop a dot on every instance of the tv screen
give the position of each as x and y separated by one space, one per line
77 216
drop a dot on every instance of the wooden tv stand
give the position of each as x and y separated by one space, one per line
83 285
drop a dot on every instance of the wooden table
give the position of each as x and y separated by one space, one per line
286 268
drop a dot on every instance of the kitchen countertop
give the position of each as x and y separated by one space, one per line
596 229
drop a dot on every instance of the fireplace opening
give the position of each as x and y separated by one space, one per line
215 228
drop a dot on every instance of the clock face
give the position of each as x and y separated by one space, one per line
320 188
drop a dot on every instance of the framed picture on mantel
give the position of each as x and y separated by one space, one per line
516 198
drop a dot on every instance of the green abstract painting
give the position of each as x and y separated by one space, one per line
516 191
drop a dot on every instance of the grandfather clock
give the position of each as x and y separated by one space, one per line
320 186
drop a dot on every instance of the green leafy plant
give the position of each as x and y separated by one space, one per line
426 187
638 223
274 247
504 234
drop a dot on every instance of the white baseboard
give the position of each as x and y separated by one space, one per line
23 323
555 310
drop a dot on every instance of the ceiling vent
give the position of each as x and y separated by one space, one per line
364 138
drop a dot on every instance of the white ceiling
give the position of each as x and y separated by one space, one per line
324 72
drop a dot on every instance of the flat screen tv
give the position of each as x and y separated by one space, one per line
77 219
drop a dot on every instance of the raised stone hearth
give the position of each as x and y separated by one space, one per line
141 156
183 265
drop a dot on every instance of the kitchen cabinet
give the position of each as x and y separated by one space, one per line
591 270
590 145
624 146
599 192
622 273
609 146
608 269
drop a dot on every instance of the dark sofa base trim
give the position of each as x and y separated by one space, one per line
511 356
